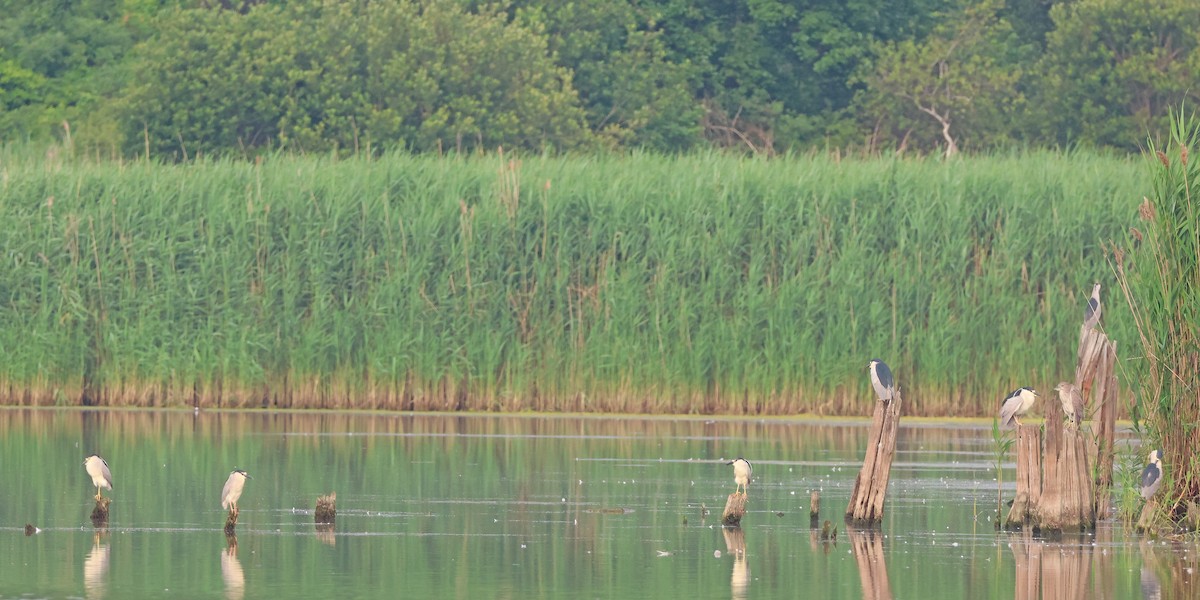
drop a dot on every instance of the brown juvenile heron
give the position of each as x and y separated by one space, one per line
98 470
1072 402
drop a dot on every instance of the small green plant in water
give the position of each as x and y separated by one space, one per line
1002 443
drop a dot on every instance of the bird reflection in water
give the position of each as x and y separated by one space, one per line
95 566
735 544
231 570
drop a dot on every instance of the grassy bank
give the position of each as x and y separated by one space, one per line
705 283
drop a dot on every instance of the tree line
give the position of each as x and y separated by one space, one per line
180 78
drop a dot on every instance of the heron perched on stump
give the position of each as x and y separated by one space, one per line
233 490
1072 402
1151 478
881 380
98 470
741 473
1016 405
1091 313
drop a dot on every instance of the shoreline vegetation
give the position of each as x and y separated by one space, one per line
697 284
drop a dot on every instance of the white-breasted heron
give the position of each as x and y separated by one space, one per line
98 470
1091 313
233 489
1072 402
741 473
1151 478
881 380
1016 405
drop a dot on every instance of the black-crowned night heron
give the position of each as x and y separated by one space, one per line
98 470
1072 402
233 489
1015 405
1152 475
1091 313
741 473
881 380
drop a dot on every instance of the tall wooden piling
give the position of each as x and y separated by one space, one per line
870 487
1066 503
1095 376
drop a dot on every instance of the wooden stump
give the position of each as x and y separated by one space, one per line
1066 503
231 521
326 510
1146 520
735 509
1029 477
100 512
814 510
867 547
870 487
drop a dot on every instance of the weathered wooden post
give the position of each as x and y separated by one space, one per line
1029 477
231 520
1096 379
1066 503
735 509
326 510
814 510
870 488
100 512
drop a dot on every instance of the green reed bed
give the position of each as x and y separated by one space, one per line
705 283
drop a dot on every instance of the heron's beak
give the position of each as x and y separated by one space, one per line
729 463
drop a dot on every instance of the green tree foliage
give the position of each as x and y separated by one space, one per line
58 58
775 74
634 95
311 76
950 89
1113 68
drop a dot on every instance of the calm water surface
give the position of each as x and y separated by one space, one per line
438 506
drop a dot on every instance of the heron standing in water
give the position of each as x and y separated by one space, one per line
1016 405
881 380
98 470
741 473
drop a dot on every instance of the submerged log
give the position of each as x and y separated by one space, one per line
870 487
735 509
1029 477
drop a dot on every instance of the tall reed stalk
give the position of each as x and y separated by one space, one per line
1160 278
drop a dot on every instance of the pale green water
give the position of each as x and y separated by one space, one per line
518 507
